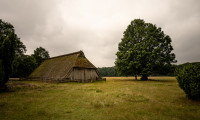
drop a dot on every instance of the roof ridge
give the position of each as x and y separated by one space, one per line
66 54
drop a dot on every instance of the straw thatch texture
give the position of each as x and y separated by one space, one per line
69 67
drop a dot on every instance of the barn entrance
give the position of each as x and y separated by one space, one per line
84 74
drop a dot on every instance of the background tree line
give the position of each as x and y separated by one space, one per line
107 71
112 72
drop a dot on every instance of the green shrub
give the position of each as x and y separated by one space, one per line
189 80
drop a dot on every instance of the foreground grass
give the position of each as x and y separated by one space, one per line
116 99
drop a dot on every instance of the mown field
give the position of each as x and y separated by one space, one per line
119 98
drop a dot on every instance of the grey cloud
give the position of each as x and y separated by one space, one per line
96 27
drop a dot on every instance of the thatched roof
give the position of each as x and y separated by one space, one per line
58 67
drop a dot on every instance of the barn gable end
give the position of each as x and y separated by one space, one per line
65 68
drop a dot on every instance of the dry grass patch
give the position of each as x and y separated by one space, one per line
119 98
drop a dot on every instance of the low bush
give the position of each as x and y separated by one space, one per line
189 80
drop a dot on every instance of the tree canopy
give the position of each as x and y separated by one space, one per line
40 54
23 65
144 49
10 45
13 61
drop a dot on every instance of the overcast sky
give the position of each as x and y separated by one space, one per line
97 26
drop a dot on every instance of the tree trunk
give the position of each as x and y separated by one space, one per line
144 77
135 77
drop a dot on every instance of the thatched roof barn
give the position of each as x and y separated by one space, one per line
65 68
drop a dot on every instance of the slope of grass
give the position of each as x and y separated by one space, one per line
119 98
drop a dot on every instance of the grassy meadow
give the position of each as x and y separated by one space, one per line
118 98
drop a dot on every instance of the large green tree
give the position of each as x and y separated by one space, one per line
144 49
10 44
40 54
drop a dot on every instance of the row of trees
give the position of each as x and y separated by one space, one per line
23 64
107 71
13 61
112 71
